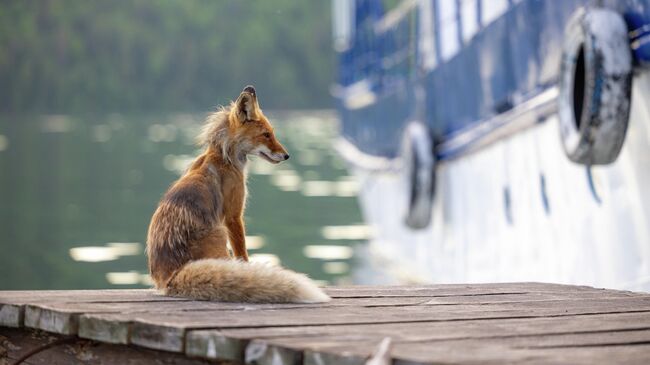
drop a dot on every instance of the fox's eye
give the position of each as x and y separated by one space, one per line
267 135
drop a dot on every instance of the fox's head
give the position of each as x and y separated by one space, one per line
242 129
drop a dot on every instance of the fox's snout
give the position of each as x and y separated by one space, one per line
282 153
273 155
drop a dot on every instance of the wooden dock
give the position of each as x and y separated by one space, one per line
474 323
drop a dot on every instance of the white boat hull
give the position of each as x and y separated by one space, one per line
519 210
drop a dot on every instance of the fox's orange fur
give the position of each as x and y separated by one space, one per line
204 209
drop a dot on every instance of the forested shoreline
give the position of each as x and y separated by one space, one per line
64 56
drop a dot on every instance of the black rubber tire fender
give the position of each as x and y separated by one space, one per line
595 86
419 165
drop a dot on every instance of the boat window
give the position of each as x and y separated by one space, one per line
469 18
448 21
491 10
342 24
395 32
426 41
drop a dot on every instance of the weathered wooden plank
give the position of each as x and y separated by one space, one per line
114 295
57 318
459 289
490 353
520 348
154 336
12 303
316 339
11 315
63 317
326 358
212 345
187 305
520 297
116 329
507 317
82 296
260 353
480 293
150 330
176 306
637 354
336 350
107 327
100 329
65 323
406 314
18 342
345 296
333 351
449 330
582 339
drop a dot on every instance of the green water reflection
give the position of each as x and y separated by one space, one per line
77 193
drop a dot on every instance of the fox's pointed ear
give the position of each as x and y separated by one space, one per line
250 89
247 104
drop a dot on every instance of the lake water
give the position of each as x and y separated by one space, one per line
77 194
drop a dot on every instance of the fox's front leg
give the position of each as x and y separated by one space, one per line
237 235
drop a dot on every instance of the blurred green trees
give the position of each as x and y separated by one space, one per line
92 55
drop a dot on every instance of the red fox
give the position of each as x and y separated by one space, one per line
204 209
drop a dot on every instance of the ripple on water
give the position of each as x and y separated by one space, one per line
336 267
162 132
351 232
255 242
310 158
101 133
286 180
128 278
177 163
265 258
56 124
4 143
343 188
328 252
111 251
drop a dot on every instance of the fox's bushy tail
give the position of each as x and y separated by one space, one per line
238 281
